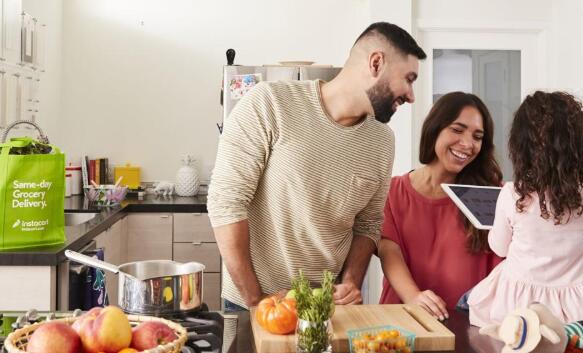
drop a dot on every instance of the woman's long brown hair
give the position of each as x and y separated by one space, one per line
483 170
546 149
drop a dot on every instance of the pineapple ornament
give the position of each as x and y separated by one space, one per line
187 180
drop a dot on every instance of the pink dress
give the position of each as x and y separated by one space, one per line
544 263
433 242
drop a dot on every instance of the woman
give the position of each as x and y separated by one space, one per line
430 253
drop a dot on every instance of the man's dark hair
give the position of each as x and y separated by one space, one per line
397 36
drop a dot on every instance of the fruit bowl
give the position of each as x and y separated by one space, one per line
16 341
105 195
381 339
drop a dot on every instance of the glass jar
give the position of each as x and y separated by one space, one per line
314 337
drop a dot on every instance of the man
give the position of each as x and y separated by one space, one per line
302 172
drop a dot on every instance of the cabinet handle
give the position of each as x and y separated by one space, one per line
164 216
197 214
196 243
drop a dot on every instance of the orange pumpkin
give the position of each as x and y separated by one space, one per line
277 314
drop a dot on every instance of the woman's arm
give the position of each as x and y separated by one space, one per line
396 271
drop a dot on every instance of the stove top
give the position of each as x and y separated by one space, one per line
205 328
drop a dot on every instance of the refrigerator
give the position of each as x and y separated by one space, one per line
238 80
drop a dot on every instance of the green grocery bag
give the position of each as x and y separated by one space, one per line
32 196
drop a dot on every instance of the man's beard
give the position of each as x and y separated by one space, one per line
382 99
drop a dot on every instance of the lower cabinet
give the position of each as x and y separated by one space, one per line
149 236
113 241
194 241
211 290
182 237
205 253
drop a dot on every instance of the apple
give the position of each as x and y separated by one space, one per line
90 315
291 294
150 334
54 337
106 330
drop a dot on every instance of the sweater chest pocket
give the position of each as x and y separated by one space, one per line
359 193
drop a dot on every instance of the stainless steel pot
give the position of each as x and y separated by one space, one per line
157 287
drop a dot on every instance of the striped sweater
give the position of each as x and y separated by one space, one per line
305 183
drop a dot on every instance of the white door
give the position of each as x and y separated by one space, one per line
496 80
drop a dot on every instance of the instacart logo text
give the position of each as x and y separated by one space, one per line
33 225
30 194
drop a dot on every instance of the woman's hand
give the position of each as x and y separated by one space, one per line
432 303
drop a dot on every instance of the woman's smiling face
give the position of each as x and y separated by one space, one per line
458 144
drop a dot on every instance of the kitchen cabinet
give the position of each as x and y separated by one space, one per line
149 236
211 291
11 27
111 241
194 241
193 227
205 253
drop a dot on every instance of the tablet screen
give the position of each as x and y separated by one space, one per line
479 201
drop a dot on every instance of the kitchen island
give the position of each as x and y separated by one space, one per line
467 338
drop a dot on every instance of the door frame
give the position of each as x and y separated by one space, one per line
530 37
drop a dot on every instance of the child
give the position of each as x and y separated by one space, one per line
538 225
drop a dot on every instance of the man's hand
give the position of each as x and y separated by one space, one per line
346 293
432 303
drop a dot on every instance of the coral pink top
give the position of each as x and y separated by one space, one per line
544 263
433 241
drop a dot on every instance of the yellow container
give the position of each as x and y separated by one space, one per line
131 176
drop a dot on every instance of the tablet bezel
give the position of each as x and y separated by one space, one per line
465 210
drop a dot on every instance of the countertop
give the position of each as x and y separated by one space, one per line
79 235
467 338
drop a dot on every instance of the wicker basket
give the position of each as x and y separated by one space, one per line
16 341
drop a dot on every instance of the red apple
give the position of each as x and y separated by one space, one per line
88 316
150 334
106 330
54 337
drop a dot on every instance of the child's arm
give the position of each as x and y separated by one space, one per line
500 235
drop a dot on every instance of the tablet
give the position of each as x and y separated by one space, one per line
478 203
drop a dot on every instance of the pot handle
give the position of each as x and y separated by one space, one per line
90 261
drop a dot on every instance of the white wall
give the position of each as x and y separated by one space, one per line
141 79
50 13
482 11
566 46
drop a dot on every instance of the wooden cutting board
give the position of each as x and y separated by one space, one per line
431 335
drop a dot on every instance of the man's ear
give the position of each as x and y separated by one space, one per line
490 330
376 61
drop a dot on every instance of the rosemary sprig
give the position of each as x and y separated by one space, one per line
315 307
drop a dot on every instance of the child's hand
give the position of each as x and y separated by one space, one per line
432 303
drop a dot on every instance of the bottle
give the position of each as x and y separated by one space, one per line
187 180
75 171
68 185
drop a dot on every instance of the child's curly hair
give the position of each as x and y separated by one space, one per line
546 149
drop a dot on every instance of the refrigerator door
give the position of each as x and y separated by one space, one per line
238 80
315 72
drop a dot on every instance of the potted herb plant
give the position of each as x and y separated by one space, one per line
314 308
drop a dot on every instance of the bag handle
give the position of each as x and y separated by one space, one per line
42 138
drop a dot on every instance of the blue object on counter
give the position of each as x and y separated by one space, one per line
462 303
